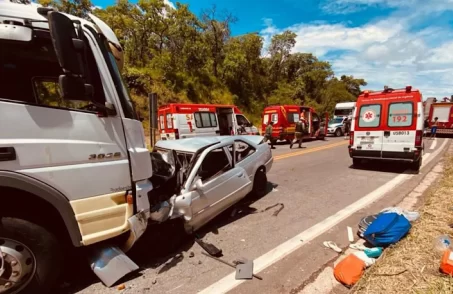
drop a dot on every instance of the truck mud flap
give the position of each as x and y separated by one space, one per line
110 264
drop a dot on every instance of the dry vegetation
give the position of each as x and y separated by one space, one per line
412 265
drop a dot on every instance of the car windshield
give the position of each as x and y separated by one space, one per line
337 120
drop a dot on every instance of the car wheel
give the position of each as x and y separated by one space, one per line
356 162
30 255
338 132
259 183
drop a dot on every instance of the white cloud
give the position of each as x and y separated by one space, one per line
385 51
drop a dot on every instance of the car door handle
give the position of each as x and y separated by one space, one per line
7 153
240 175
386 133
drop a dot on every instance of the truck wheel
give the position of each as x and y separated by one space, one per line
30 255
338 132
259 183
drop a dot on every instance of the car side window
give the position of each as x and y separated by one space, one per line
243 150
214 164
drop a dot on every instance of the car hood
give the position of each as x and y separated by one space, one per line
334 125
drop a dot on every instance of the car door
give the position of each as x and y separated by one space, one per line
214 185
368 131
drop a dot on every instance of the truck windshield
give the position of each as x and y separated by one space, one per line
120 86
343 112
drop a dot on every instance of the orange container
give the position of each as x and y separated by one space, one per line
446 263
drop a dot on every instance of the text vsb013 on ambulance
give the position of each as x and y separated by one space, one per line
388 125
178 121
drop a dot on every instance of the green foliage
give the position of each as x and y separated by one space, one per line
185 58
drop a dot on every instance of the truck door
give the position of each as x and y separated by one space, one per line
368 131
400 131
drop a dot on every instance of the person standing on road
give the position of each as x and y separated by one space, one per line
268 134
434 128
299 133
347 127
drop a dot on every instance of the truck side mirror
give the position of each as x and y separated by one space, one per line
69 48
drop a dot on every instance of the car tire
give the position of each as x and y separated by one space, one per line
356 162
338 132
36 252
259 183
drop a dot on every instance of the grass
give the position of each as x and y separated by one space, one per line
412 265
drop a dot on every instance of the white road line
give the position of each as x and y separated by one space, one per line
433 144
281 251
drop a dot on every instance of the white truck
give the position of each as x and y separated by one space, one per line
74 167
344 109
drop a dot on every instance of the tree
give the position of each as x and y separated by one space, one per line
185 58
75 7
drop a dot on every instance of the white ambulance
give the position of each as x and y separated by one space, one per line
388 125
178 121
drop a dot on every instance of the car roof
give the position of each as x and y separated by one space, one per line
194 144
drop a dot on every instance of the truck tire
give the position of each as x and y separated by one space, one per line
338 132
259 183
31 255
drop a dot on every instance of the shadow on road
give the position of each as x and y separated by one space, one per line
161 248
396 167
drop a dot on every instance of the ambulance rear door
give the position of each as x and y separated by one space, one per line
368 129
400 131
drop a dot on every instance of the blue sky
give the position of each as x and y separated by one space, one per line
387 42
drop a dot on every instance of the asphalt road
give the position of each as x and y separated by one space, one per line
313 183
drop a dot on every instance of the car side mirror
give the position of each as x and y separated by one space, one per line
198 185
70 50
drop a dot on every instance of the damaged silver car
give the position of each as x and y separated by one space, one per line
198 178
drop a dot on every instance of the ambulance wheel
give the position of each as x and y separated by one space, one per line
416 165
356 162
338 132
259 183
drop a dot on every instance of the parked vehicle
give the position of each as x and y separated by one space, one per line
74 167
444 112
285 118
388 125
336 126
210 174
344 109
179 121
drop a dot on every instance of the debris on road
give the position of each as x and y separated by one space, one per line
272 206
244 271
209 248
110 264
121 287
414 263
349 270
350 235
332 245
191 254
229 264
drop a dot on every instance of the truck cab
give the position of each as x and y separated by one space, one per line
388 125
74 167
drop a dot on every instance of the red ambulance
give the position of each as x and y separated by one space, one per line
388 125
444 113
178 121
285 118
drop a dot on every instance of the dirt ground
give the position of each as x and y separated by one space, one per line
412 265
